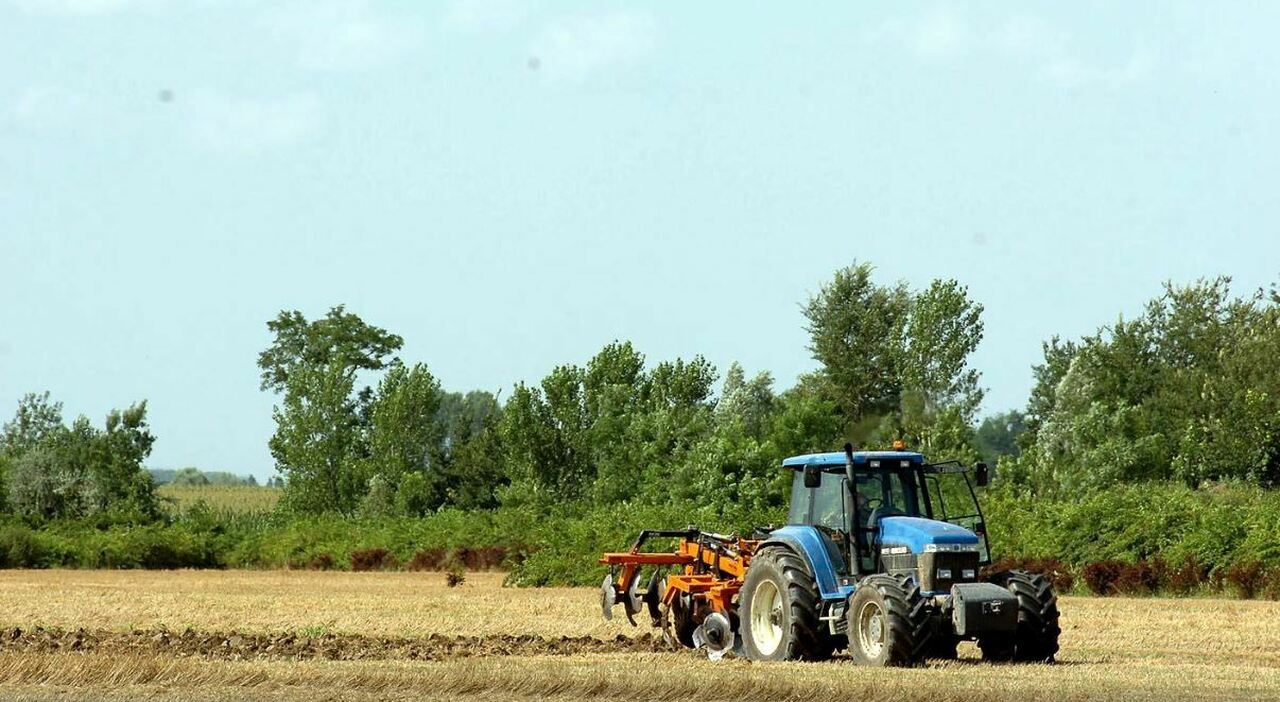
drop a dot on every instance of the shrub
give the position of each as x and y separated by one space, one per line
20 548
1101 576
1217 579
1271 585
476 559
320 561
1185 578
1246 578
427 559
1139 578
372 559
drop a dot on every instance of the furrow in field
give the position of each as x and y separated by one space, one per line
246 646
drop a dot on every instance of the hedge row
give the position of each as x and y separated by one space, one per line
1120 540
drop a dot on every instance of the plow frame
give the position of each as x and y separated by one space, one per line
713 569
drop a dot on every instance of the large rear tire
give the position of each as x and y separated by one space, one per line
1036 638
779 610
888 622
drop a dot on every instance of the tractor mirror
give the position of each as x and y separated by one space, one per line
981 474
812 476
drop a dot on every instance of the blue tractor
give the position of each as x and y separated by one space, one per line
882 555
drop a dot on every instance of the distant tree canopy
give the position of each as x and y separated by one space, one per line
192 476
404 446
894 364
53 471
1189 390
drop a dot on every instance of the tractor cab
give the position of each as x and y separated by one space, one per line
891 511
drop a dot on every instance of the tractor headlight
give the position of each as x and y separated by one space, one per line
969 574
944 574
951 548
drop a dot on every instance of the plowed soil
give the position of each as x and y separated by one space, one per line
334 647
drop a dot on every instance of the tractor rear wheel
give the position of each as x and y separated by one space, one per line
888 622
1036 638
779 609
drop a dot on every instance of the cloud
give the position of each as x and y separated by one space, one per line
78 8
940 34
484 15
579 47
1073 72
342 35
48 106
943 35
241 125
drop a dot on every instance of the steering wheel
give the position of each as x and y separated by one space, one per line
873 504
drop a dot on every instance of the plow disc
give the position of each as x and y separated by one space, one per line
696 605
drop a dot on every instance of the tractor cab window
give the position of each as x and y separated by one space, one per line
951 499
883 494
828 504
879 494
823 506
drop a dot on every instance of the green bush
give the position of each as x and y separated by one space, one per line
20 547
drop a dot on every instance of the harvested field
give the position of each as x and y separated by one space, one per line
320 636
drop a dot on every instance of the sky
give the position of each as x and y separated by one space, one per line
510 187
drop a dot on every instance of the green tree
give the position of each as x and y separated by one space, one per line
339 339
940 392
404 434
189 477
998 435
1187 390
750 403
856 332
76 471
317 444
895 363
36 419
607 431
320 443
472 449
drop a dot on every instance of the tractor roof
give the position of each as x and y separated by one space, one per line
836 458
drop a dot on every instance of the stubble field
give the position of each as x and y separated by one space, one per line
205 635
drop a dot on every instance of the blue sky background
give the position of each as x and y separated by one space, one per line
511 187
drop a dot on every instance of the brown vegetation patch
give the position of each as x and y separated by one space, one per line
372 559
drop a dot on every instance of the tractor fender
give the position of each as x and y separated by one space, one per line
815 549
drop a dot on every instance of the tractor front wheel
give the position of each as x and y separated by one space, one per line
888 622
1036 638
779 610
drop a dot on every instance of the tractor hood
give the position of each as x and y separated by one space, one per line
916 533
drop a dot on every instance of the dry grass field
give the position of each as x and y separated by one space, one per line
237 499
329 636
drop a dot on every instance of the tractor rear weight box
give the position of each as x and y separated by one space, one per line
978 608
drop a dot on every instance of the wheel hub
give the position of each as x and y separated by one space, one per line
766 618
871 629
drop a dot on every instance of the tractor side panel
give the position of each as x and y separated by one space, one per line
821 555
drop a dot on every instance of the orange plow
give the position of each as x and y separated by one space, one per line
691 592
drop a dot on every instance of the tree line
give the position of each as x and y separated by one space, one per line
1188 391
360 430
